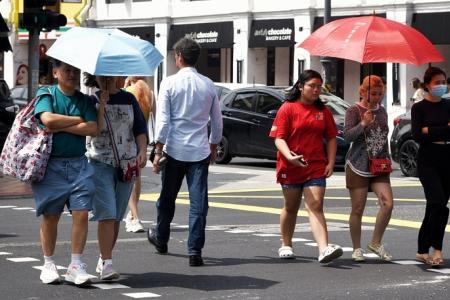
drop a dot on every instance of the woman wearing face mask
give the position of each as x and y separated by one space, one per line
367 130
129 131
430 122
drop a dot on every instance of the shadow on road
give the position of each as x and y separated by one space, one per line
196 282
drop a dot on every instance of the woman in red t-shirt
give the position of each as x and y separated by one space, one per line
301 126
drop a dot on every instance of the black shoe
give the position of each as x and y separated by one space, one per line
195 260
160 247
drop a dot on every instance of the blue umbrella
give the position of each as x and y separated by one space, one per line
106 52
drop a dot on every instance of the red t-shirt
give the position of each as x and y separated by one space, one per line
304 128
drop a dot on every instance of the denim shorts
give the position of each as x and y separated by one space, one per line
111 195
312 182
67 181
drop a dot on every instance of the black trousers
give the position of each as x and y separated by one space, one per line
434 174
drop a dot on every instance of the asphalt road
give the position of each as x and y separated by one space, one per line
241 248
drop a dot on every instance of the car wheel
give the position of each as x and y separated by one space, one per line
223 152
408 158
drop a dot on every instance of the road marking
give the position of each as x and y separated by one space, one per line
5 253
299 240
442 271
311 244
141 295
266 234
407 262
239 231
22 259
7 206
421 200
301 213
181 226
23 208
57 267
370 255
110 286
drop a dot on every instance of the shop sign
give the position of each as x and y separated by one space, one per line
272 33
208 35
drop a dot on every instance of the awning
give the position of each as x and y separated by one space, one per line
144 33
272 33
434 26
208 35
4 41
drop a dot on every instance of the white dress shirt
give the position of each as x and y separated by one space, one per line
187 101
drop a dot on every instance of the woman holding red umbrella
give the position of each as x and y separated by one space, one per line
366 128
430 122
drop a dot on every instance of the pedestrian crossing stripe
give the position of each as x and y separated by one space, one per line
141 295
22 259
109 286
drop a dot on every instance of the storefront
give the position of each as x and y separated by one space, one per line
144 33
216 41
271 49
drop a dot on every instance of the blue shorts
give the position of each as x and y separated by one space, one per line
312 182
111 196
67 181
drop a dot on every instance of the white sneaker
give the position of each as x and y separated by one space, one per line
128 219
135 226
99 267
49 274
76 273
330 253
108 272
358 255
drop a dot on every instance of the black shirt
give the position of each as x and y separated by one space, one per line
435 116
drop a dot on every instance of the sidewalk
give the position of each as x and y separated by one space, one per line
13 188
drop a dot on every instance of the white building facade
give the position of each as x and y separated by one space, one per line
255 41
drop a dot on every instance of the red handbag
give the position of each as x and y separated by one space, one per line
380 166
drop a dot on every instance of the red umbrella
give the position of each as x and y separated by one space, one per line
371 39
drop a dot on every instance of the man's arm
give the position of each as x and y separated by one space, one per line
85 129
56 122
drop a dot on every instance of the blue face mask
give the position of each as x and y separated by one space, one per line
439 90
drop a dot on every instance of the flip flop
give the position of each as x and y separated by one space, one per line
424 258
436 262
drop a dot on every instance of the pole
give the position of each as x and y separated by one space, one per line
326 61
33 62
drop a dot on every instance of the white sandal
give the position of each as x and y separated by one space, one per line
286 252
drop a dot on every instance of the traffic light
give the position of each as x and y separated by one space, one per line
36 16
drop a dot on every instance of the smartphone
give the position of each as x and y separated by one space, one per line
301 159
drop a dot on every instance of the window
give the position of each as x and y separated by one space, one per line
267 103
243 102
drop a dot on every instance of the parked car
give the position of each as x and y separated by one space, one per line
7 111
248 114
403 148
223 88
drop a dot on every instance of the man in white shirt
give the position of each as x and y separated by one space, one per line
187 101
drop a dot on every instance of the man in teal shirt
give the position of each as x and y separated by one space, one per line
70 116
